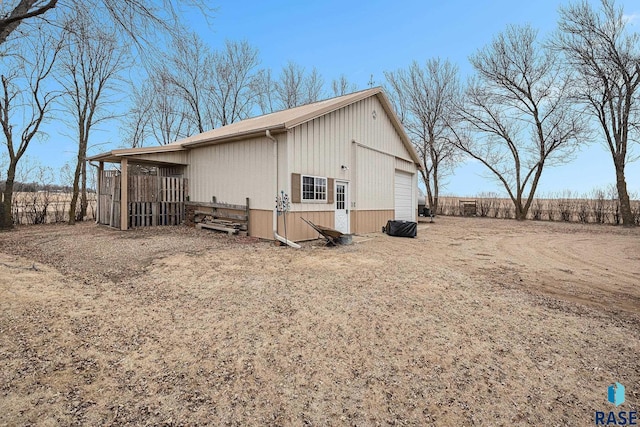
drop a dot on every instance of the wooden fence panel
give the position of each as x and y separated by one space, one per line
152 200
115 202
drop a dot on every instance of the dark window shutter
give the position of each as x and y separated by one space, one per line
330 188
296 193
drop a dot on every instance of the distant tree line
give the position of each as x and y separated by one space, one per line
600 206
33 187
530 102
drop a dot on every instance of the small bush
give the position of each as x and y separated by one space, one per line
599 206
536 210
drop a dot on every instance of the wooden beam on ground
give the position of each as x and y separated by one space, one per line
217 227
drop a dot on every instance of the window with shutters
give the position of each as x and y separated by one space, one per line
314 188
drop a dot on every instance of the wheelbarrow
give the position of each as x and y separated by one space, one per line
333 237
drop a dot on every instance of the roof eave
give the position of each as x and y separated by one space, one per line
236 136
114 156
122 152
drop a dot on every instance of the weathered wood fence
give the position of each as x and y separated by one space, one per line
152 200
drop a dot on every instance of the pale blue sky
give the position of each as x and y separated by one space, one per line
359 39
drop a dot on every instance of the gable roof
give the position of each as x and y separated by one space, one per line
275 122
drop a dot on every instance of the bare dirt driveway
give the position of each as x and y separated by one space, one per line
475 322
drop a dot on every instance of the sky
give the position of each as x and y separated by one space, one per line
362 40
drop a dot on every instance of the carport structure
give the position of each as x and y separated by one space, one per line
156 189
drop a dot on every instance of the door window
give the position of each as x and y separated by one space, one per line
340 201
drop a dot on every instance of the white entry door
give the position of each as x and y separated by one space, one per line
342 207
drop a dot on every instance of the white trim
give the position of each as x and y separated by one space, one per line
314 200
347 202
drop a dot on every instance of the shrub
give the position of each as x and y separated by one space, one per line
536 210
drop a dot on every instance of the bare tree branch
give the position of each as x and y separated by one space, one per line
425 98
90 62
25 103
25 9
605 56
342 86
518 113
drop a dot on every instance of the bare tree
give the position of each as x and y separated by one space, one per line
232 93
342 86
194 90
137 122
169 118
264 87
13 14
90 63
294 87
136 19
313 87
605 55
187 74
425 98
518 113
289 88
25 103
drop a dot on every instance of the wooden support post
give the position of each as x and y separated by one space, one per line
155 211
114 187
124 195
99 192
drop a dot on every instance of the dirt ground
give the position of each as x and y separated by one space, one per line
474 322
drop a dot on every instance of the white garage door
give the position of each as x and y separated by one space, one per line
404 196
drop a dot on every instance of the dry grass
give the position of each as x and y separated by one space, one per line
475 322
46 207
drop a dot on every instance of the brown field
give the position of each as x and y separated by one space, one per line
475 322
46 207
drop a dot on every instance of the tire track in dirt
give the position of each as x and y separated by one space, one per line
589 265
574 268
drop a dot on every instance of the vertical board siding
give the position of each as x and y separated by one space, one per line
405 166
106 196
261 224
372 221
375 180
284 160
298 230
321 147
234 171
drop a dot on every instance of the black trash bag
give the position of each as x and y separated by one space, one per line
401 228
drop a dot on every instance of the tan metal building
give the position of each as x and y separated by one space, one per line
345 163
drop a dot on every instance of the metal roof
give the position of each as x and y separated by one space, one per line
114 156
275 122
